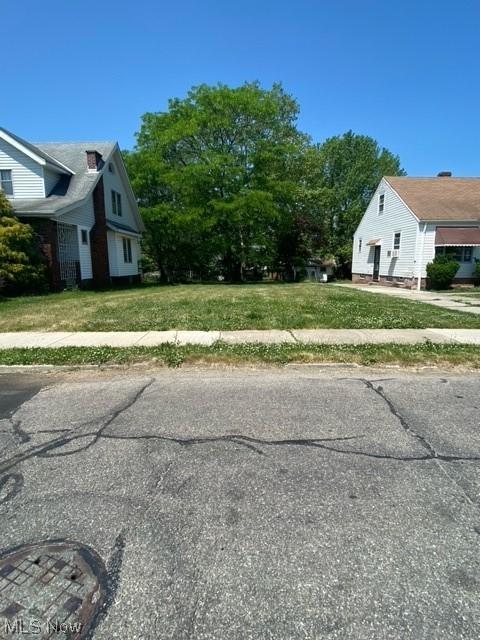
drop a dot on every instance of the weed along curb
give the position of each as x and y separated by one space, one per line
171 355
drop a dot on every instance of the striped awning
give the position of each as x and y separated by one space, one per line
457 237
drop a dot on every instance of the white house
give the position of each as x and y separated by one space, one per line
78 198
409 221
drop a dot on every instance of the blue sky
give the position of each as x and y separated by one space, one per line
406 73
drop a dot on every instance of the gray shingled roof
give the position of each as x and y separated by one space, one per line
71 189
36 150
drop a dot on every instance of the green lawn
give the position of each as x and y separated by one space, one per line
252 306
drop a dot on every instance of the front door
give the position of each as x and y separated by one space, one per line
376 262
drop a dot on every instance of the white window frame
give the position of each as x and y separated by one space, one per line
127 250
2 180
116 199
399 234
381 204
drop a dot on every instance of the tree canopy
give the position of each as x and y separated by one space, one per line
228 184
349 169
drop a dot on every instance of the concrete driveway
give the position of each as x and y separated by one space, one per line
282 504
446 300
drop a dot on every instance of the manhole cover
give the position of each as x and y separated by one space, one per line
50 590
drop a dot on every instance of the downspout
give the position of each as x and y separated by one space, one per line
420 258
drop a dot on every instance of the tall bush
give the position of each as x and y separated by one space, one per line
441 272
21 266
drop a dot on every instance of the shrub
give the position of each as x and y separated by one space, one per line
21 266
476 274
441 272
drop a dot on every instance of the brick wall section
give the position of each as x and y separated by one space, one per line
93 160
98 239
46 231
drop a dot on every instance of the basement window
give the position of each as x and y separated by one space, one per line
127 250
6 183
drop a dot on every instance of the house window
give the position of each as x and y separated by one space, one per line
116 203
127 250
381 204
459 254
6 181
359 245
84 234
396 240
111 168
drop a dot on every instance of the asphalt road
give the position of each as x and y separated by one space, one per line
285 504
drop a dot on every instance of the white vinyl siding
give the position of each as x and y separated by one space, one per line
113 182
27 175
83 218
118 266
396 218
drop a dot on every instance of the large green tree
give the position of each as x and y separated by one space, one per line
348 170
21 266
217 176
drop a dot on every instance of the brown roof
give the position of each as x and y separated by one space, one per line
457 237
440 198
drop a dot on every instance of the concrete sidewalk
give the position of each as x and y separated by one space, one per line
208 338
445 301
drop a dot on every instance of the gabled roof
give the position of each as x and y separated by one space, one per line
74 187
445 198
80 184
34 151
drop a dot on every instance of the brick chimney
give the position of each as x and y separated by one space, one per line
444 174
94 160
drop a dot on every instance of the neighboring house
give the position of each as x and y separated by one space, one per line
78 198
409 221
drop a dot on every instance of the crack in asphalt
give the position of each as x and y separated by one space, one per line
432 454
402 420
22 435
51 448
43 449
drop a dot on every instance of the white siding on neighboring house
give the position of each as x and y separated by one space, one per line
396 217
112 253
466 268
118 266
51 179
113 181
27 175
84 218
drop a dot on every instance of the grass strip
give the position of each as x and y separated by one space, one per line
277 354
